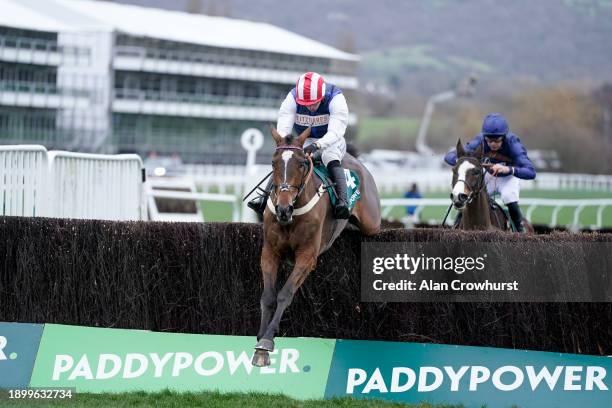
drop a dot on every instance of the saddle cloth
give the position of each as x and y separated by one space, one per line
352 184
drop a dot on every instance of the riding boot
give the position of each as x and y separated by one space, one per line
336 172
458 219
258 204
517 217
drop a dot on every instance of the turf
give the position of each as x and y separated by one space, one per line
205 399
374 127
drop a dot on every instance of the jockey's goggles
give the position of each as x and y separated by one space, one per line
494 138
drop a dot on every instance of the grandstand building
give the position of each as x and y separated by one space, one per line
103 77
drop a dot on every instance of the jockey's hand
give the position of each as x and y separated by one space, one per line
311 149
499 169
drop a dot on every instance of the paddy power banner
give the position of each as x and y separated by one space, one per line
472 376
99 360
113 360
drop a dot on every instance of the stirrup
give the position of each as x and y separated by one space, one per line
258 204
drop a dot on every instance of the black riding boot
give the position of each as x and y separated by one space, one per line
516 216
258 204
341 210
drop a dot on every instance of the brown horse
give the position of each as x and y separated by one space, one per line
469 193
298 220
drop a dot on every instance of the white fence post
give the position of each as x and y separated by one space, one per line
252 140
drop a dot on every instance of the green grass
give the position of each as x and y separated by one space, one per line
215 211
371 128
471 64
206 399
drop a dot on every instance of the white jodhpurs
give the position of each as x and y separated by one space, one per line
508 187
334 152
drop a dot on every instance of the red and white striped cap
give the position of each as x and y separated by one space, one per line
310 88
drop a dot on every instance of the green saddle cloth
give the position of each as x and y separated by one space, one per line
352 184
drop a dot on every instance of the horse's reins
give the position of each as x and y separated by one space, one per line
257 186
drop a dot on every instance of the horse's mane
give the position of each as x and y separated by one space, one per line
471 155
289 139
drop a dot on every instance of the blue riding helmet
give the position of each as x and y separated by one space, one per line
494 125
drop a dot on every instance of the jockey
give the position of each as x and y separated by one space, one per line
508 156
322 107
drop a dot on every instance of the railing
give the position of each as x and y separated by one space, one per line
400 181
35 182
46 51
25 43
149 95
96 186
570 181
217 177
183 189
45 88
196 197
29 87
530 204
211 57
23 180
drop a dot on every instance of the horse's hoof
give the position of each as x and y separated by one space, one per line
265 345
261 358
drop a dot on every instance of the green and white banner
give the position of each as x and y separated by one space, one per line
472 376
115 360
101 360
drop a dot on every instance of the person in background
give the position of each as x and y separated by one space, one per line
413 193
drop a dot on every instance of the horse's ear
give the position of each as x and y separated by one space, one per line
277 137
303 136
478 152
460 150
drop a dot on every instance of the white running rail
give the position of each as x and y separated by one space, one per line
530 204
184 189
231 177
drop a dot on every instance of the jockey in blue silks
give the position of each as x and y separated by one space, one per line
322 107
505 151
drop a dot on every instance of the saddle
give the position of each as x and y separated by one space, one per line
352 183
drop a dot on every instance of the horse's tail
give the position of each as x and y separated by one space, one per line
352 149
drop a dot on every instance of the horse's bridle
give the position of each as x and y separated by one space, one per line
307 164
477 187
